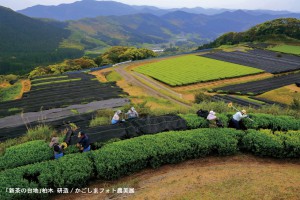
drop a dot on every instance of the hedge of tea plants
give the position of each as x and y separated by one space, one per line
125 157
27 153
260 121
279 145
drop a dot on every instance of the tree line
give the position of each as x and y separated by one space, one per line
282 28
113 55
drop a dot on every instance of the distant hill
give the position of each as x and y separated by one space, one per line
79 10
27 42
147 28
93 8
283 29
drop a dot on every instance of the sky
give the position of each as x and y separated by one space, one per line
289 5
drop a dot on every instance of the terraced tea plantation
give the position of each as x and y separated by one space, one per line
265 60
61 91
193 69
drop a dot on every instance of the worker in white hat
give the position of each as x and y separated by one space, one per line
237 117
116 118
132 113
212 118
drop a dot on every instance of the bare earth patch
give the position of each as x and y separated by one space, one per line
4 84
100 74
26 85
234 177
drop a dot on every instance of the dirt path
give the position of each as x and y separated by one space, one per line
149 90
235 177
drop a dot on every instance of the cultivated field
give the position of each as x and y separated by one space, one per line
61 91
286 49
260 59
193 69
257 87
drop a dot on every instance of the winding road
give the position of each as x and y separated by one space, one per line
130 77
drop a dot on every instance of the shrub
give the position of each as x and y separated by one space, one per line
263 144
200 97
295 104
193 121
40 132
99 121
291 141
27 153
125 157
73 171
122 158
275 123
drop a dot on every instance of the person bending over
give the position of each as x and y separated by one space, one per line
237 118
84 142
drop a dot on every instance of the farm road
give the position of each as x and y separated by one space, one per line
60 113
130 78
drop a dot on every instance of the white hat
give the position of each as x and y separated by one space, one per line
212 112
119 112
132 108
54 140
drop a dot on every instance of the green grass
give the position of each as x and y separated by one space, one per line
39 132
74 111
100 121
113 76
193 69
287 49
10 93
60 81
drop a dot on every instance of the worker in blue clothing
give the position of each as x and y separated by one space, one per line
58 149
84 142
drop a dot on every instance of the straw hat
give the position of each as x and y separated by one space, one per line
244 111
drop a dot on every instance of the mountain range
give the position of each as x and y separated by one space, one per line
93 8
27 42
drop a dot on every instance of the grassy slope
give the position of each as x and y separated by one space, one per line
287 49
192 69
11 92
236 177
283 95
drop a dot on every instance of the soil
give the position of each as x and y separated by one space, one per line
26 85
4 84
235 177
101 74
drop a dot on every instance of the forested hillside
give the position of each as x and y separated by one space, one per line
27 42
284 29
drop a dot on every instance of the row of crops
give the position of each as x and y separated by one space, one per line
193 69
61 91
265 60
122 158
286 49
258 87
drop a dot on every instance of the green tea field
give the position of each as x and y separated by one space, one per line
193 69
287 49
